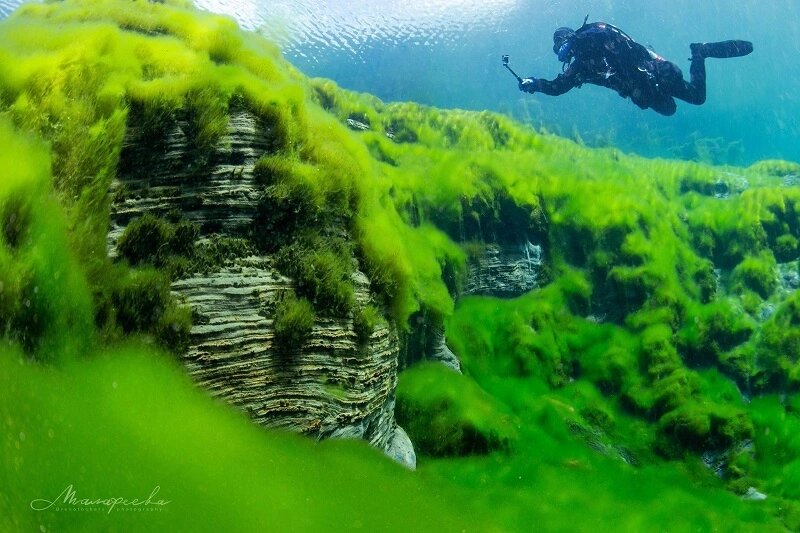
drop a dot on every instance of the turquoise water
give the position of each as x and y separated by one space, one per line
446 53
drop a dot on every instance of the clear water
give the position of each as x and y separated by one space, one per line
6 7
446 53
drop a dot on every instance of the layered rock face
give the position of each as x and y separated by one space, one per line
504 270
333 386
500 270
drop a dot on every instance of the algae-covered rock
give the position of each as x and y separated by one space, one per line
508 270
446 413
700 427
757 274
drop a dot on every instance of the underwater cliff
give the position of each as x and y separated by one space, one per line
202 248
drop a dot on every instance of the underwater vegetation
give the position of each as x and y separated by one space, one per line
651 378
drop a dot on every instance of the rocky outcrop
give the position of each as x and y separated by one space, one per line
442 353
333 386
504 270
401 449
501 270
221 196
788 276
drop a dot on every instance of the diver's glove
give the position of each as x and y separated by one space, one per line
528 85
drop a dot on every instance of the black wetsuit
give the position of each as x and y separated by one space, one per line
604 55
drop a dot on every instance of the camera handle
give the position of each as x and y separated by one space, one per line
505 64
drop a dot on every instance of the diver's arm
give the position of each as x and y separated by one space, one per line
563 83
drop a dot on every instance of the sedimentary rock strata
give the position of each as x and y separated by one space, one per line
504 270
332 386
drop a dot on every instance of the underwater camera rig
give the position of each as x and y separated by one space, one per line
505 64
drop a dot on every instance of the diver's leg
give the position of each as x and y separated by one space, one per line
692 91
695 90
722 49
665 106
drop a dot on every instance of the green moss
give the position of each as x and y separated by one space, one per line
322 270
508 339
284 209
728 233
144 239
217 251
741 366
183 238
151 240
775 167
777 451
272 169
155 119
671 390
777 346
294 319
172 329
786 248
206 111
706 279
756 273
750 301
446 413
712 330
139 302
701 427
365 320
609 359
140 299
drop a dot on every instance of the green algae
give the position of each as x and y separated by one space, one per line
577 462
756 274
365 320
622 367
446 413
139 302
45 304
127 421
294 319
322 272
155 241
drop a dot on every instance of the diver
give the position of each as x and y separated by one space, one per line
602 54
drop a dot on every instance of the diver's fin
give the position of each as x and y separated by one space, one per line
722 49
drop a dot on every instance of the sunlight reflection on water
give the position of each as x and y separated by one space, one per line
7 6
312 28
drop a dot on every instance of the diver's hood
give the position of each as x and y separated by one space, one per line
560 36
